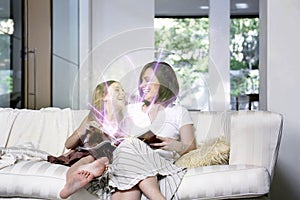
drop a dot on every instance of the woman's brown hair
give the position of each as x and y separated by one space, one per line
169 86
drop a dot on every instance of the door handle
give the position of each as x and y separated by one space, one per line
31 51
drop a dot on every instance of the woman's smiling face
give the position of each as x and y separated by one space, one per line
149 85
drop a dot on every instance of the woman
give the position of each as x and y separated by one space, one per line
102 123
139 169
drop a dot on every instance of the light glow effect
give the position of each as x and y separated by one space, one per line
100 117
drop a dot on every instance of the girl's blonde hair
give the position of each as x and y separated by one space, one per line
97 105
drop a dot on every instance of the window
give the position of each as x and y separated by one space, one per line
10 49
6 30
187 40
6 74
244 59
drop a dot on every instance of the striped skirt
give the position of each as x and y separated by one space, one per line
134 161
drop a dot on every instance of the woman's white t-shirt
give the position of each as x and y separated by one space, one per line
166 124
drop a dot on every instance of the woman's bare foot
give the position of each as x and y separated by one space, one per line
97 167
79 180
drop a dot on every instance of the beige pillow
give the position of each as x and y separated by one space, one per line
211 152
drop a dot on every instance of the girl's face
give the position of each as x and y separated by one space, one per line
115 95
149 85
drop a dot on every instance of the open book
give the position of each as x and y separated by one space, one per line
103 149
149 137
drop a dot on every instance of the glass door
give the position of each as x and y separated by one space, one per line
11 41
25 50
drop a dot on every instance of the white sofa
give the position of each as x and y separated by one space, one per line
254 138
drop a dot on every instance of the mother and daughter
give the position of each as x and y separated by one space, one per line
137 170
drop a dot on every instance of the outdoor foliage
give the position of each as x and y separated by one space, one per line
187 40
6 80
6 84
244 56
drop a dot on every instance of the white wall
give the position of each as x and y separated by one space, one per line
282 70
93 38
219 34
121 36
65 59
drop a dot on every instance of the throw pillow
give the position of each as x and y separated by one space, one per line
211 152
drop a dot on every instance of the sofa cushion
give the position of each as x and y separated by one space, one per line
36 179
209 125
47 129
7 118
224 181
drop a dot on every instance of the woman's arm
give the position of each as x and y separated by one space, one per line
186 144
188 141
76 136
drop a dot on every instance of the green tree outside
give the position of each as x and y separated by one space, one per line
188 41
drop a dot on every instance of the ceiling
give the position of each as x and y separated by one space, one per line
198 8
171 8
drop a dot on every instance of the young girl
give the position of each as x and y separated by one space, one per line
101 124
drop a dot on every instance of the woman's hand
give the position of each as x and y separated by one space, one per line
186 144
168 144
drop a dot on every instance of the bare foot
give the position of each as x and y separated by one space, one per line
79 180
97 167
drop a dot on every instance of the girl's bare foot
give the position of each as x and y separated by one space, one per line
79 180
97 167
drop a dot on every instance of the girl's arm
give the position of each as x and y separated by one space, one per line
73 141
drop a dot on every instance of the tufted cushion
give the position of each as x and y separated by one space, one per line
224 182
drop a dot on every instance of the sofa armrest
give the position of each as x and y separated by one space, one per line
255 138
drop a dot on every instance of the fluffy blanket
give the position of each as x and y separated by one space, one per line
10 155
47 129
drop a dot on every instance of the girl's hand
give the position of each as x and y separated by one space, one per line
93 124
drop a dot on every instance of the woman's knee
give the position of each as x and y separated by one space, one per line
131 194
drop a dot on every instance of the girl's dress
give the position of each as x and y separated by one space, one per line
94 143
